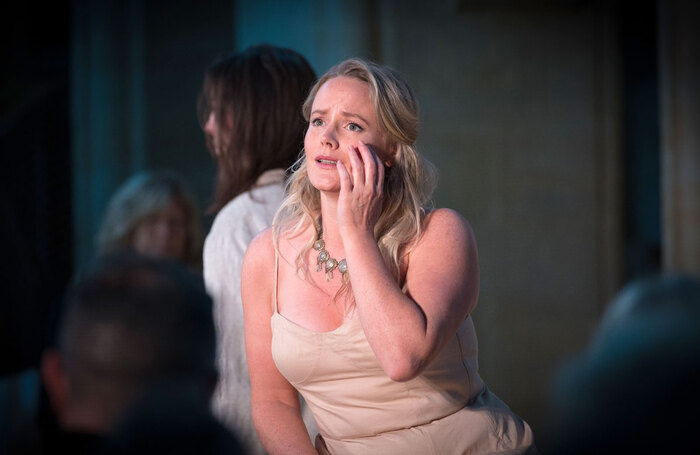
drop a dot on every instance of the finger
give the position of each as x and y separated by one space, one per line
356 167
381 171
369 159
345 183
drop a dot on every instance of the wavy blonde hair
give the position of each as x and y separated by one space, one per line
408 184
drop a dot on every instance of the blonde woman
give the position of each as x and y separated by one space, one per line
153 213
359 297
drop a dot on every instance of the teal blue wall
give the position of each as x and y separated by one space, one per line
136 70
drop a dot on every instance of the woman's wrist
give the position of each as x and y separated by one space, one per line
357 237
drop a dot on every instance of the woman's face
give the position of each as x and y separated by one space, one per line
341 115
162 234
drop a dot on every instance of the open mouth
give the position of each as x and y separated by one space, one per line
326 161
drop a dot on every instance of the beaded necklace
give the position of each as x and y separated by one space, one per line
324 258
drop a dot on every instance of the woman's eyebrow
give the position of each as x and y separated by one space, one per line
343 113
354 115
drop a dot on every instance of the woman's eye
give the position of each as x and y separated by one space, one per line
316 122
354 127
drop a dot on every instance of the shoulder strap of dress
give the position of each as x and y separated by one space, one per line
274 292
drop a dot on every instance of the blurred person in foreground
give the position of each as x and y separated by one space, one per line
153 213
250 111
635 388
132 326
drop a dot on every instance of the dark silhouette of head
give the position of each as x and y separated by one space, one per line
130 322
634 390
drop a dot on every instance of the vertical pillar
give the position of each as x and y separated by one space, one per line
108 133
679 48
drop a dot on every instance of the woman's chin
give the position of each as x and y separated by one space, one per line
326 186
329 189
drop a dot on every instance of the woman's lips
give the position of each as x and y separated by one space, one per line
326 161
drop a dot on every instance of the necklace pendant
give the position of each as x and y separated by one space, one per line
323 256
324 259
330 265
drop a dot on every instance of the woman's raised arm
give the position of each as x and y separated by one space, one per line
274 402
405 330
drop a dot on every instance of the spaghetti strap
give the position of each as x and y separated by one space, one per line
274 292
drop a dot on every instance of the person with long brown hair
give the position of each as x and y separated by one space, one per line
250 111
359 296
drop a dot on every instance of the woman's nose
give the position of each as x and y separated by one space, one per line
328 137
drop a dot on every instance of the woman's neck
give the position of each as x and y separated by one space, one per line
329 215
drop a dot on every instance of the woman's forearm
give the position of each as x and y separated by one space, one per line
395 325
407 330
281 429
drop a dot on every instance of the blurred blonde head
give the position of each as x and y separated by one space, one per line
140 201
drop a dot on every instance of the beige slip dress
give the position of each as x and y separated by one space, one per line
447 409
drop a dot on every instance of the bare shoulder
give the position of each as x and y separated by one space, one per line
258 257
446 226
447 243
262 242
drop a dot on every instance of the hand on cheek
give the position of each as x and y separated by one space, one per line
360 198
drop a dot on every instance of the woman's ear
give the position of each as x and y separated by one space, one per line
390 159
53 374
